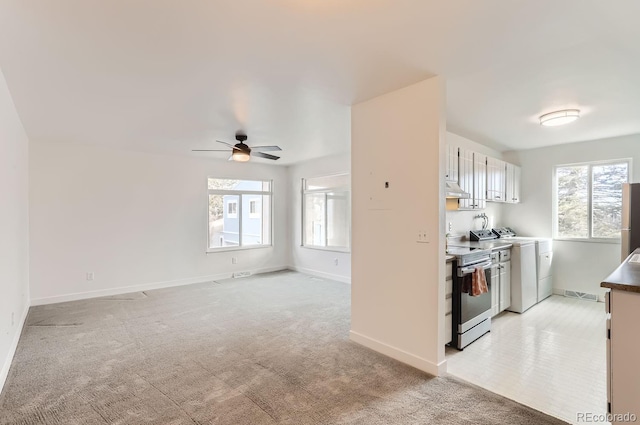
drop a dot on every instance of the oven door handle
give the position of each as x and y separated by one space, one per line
462 271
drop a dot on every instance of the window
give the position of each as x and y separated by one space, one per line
588 199
232 209
326 212
253 208
239 213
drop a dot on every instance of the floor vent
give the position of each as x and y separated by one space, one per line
241 274
580 295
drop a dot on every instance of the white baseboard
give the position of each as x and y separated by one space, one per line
400 355
144 287
4 373
323 275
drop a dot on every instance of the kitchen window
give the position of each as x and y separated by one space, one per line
588 200
326 212
239 214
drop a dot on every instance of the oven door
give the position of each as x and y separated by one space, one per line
473 310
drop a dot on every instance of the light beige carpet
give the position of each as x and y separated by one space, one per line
269 349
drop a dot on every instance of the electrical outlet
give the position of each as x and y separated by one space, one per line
335 261
422 236
90 276
234 260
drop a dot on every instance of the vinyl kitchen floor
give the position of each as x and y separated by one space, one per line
551 358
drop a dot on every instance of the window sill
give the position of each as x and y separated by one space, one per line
602 241
330 249
236 248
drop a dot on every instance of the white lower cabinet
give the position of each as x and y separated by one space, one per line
448 302
495 289
500 284
623 352
505 285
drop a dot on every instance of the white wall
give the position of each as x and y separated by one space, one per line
136 220
14 229
578 266
399 138
309 260
463 221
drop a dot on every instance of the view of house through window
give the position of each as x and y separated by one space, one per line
239 213
326 212
589 199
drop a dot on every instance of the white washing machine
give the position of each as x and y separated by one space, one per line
524 288
544 260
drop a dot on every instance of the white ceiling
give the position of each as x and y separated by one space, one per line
171 76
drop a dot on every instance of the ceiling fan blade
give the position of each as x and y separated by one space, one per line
264 155
266 148
228 144
209 150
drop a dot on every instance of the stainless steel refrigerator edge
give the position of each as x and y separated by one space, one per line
630 218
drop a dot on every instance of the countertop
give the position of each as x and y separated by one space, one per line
626 277
492 245
450 258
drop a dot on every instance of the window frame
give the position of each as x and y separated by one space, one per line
325 191
239 193
589 165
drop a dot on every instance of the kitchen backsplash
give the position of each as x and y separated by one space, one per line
463 221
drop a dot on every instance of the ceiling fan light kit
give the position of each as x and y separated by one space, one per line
240 156
241 152
562 117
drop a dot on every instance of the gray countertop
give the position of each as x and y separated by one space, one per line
626 277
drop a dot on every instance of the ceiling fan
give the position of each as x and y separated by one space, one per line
241 152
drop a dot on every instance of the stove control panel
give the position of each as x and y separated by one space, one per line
481 235
504 232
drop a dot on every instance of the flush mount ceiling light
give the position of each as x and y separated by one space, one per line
565 116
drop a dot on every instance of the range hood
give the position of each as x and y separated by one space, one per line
453 190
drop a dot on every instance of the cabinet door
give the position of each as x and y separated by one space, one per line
479 180
516 184
625 352
509 176
505 285
512 183
496 171
465 176
495 289
451 166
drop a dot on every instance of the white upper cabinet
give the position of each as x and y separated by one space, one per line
451 166
472 178
496 184
465 177
479 180
512 183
